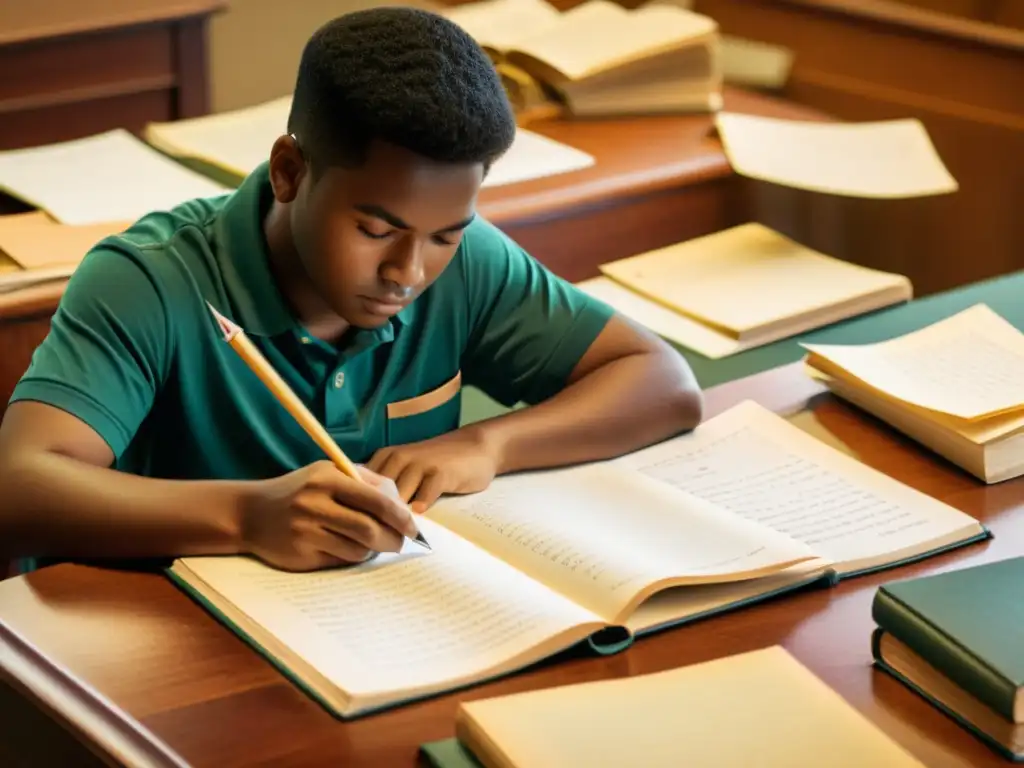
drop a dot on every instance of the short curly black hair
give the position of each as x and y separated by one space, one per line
404 76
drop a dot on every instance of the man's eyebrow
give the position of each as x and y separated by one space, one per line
378 212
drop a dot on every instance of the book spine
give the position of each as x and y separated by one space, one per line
941 651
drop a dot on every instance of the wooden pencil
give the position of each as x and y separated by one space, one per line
235 336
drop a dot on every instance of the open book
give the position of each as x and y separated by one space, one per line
741 288
724 712
601 58
230 145
954 386
745 507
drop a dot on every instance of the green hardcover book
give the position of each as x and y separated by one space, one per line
969 625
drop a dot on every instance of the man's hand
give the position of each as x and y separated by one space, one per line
316 517
457 462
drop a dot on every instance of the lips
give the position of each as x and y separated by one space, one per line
382 307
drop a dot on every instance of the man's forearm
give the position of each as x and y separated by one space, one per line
51 505
624 405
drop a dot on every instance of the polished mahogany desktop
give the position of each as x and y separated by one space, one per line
197 690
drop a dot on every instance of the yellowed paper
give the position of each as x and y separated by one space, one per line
239 141
501 24
970 365
747 278
762 708
755 464
891 159
109 177
598 36
34 240
670 325
753 63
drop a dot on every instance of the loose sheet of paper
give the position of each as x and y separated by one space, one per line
663 321
970 365
34 240
890 159
757 465
109 177
600 534
747 277
239 141
419 619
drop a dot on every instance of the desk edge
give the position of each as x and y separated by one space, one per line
93 720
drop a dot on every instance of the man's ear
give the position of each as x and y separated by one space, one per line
287 169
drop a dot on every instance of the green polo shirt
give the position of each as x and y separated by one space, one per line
135 353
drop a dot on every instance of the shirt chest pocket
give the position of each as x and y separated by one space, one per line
425 416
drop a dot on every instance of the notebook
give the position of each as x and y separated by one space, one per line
953 386
109 177
760 708
602 59
741 288
967 625
888 159
745 507
230 145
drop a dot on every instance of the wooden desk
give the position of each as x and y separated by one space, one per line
150 650
656 181
87 66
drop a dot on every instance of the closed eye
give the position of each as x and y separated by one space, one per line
374 235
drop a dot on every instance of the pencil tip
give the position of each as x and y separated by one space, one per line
228 328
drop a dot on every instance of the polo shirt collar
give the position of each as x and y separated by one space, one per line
245 263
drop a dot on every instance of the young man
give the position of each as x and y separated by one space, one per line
355 260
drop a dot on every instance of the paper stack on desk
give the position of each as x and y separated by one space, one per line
230 145
741 288
956 386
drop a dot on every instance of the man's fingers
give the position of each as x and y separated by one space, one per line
430 490
408 481
341 549
384 484
368 499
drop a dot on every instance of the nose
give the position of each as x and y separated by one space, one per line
403 267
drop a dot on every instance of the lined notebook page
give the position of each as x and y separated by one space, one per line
761 708
880 159
970 365
104 178
239 141
747 277
757 465
406 621
600 534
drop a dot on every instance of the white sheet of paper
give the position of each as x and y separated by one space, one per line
111 176
239 141
889 159
661 320
533 156
970 365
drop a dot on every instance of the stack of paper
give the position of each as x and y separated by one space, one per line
741 288
235 143
109 177
956 386
761 708
34 248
